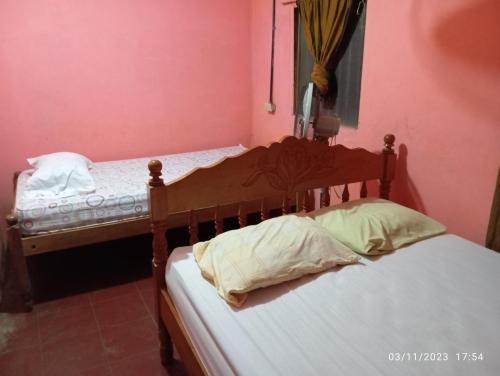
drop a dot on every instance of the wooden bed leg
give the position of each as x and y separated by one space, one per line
17 296
166 346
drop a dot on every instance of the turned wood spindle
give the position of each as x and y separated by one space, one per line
324 197
159 228
345 193
364 191
298 201
242 215
218 221
285 207
193 227
305 201
264 214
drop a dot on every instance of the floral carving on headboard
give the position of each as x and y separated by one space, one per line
292 162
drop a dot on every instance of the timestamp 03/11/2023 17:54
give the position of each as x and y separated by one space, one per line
435 356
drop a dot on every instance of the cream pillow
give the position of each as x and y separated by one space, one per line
59 174
374 226
274 251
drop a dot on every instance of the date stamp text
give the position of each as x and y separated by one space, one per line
435 356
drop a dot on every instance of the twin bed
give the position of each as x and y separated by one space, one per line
428 308
118 208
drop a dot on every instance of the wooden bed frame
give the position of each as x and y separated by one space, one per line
288 170
19 245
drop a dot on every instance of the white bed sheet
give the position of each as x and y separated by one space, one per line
436 296
121 191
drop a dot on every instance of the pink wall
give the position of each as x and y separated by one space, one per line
121 78
118 79
270 127
431 75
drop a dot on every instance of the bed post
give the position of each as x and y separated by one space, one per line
388 169
17 296
159 228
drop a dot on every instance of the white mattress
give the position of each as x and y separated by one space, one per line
436 296
121 192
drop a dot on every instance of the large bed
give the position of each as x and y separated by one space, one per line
428 308
426 300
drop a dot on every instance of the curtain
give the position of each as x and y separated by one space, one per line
493 235
323 22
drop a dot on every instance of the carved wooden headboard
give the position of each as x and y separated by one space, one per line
286 169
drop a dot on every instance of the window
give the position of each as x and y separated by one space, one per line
345 68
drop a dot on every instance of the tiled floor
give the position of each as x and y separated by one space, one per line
110 331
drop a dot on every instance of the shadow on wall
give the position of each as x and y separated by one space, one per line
461 51
404 190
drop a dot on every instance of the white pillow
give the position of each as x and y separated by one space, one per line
60 174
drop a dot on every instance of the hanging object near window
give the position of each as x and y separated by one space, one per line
309 113
313 123
323 23
270 106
